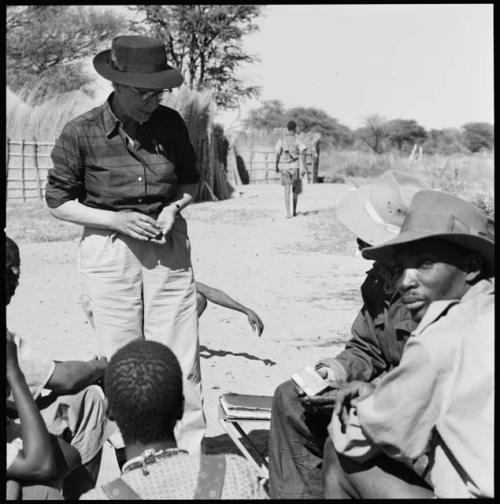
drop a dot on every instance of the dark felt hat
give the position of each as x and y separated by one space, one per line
137 61
434 214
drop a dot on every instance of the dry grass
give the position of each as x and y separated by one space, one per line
469 176
45 121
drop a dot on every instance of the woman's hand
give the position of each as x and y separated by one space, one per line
135 224
165 221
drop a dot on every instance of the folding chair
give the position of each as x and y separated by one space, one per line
253 409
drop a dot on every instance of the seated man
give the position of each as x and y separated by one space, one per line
439 401
204 293
74 410
31 462
298 428
143 386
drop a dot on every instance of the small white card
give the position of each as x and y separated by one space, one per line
310 381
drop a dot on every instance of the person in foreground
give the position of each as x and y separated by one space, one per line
374 213
204 293
30 459
143 386
439 401
125 170
73 411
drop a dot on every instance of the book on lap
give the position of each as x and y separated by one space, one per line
246 407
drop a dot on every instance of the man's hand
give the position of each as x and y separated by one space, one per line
255 321
348 396
165 221
277 169
135 224
100 364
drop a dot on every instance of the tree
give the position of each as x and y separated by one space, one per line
478 136
317 120
271 114
45 45
445 141
204 43
373 133
403 133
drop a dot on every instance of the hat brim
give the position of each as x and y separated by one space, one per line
388 251
352 214
163 79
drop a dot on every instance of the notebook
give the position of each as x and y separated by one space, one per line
246 407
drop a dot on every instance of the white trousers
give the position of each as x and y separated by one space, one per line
133 289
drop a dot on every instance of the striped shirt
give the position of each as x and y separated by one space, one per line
95 162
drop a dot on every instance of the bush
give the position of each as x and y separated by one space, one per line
485 203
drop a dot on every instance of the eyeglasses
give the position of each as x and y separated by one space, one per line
148 95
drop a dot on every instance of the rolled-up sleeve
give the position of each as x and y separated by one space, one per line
362 358
187 172
65 181
404 408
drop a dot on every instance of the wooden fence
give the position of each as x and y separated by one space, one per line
259 167
29 161
27 165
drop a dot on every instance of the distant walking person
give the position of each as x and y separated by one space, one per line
125 170
288 158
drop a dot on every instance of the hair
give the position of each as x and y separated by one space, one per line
12 256
12 262
143 384
291 125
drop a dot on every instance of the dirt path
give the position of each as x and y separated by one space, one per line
306 300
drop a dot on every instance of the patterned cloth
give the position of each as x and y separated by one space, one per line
439 400
288 154
176 478
92 162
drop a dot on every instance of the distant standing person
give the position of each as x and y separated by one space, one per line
125 170
288 158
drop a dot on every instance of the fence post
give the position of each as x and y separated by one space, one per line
266 154
37 173
22 170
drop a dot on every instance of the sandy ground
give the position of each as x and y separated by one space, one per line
306 300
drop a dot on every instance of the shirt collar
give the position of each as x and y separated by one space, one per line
111 122
437 308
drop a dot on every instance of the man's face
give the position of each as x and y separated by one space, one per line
428 271
139 103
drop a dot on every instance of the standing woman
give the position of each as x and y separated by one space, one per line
125 170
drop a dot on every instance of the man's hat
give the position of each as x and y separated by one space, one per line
137 61
375 212
434 214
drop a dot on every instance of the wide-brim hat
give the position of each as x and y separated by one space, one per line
137 61
375 212
434 214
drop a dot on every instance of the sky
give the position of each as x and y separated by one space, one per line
432 63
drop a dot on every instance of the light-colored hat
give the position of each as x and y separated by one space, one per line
375 212
138 61
434 214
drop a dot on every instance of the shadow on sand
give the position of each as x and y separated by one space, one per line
224 444
208 353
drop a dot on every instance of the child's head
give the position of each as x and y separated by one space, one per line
143 386
12 268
